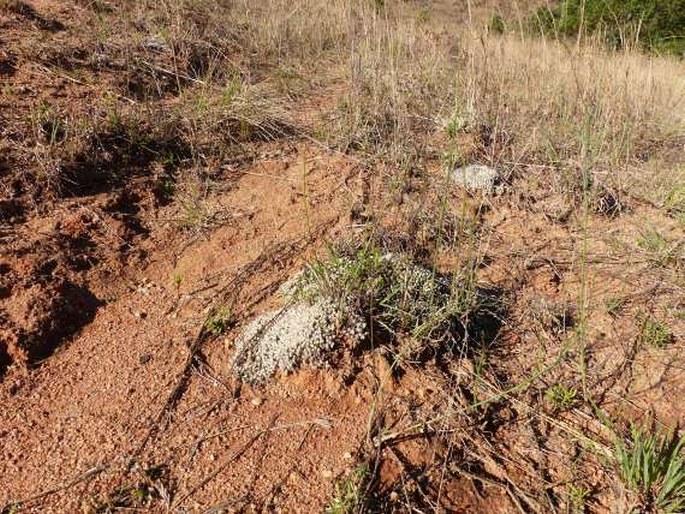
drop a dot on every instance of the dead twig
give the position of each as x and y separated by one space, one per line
228 462
80 478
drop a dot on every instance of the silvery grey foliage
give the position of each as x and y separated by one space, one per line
285 338
476 177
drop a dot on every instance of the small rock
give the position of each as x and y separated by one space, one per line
257 401
327 474
155 44
476 177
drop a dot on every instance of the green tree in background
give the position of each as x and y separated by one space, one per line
657 25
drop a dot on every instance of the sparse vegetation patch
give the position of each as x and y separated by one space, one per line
653 333
349 492
350 298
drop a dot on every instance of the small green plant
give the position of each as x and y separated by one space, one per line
653 467
166 187
578 497
140 495
220 320
496 24
349 492
653 332
126 497
50 127
562 397
114 123
398 295
675 202
661 250
231 91
452 158
177 279
454 125
481 360
191 198
614 306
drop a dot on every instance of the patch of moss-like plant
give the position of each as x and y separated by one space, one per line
393 292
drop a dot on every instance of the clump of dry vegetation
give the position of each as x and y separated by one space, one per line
236 69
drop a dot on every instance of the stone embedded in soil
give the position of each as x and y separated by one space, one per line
478 178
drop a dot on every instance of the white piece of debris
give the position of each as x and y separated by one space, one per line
479 178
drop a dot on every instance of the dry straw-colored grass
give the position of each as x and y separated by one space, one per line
553 97
406 75
395 77
539 101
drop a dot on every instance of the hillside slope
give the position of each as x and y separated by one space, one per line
166 167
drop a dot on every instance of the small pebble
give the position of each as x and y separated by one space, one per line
257 401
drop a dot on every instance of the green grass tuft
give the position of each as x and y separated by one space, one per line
562 397
675 202
653 332
349 492
661 250
396 294
220 320
652 466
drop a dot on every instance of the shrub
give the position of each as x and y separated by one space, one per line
658 25
343 301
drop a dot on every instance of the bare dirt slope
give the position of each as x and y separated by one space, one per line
164 170
90 407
